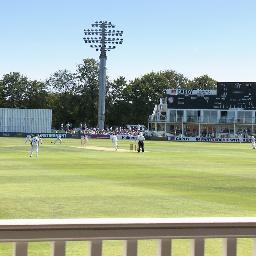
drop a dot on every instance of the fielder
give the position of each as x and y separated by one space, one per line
58 138
84 140
35 145
28 138
114 142
253 142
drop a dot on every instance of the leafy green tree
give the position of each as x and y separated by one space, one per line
1 94
143 93
203 82
87 91
14 90
174 80
17 91
115 89
62 81
75 95
117 107
36 95
62 86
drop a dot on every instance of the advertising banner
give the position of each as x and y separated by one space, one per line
205 139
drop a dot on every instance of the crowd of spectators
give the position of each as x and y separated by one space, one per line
83 129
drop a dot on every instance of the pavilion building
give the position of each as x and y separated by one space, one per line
229 111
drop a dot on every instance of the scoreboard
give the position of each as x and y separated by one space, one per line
228 95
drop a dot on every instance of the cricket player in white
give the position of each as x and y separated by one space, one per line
35 145
253 142
84 140
58 138
114 141
28 138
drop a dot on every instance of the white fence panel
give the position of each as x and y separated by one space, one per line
25 120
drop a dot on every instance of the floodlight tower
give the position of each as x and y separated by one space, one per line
103 38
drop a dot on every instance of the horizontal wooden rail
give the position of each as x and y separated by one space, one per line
125 228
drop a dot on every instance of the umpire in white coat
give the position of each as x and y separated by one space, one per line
141 140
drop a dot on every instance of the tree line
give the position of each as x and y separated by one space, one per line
73 97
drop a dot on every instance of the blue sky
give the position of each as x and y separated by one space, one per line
193 37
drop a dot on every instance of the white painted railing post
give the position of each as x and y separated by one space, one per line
58 248
20 249
131 248
254 247
164 247
229 247
197 247
95 248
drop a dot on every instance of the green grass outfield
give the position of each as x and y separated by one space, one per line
171 179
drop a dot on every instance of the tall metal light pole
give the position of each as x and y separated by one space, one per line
103 38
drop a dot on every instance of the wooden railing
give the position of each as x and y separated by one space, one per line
164 230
